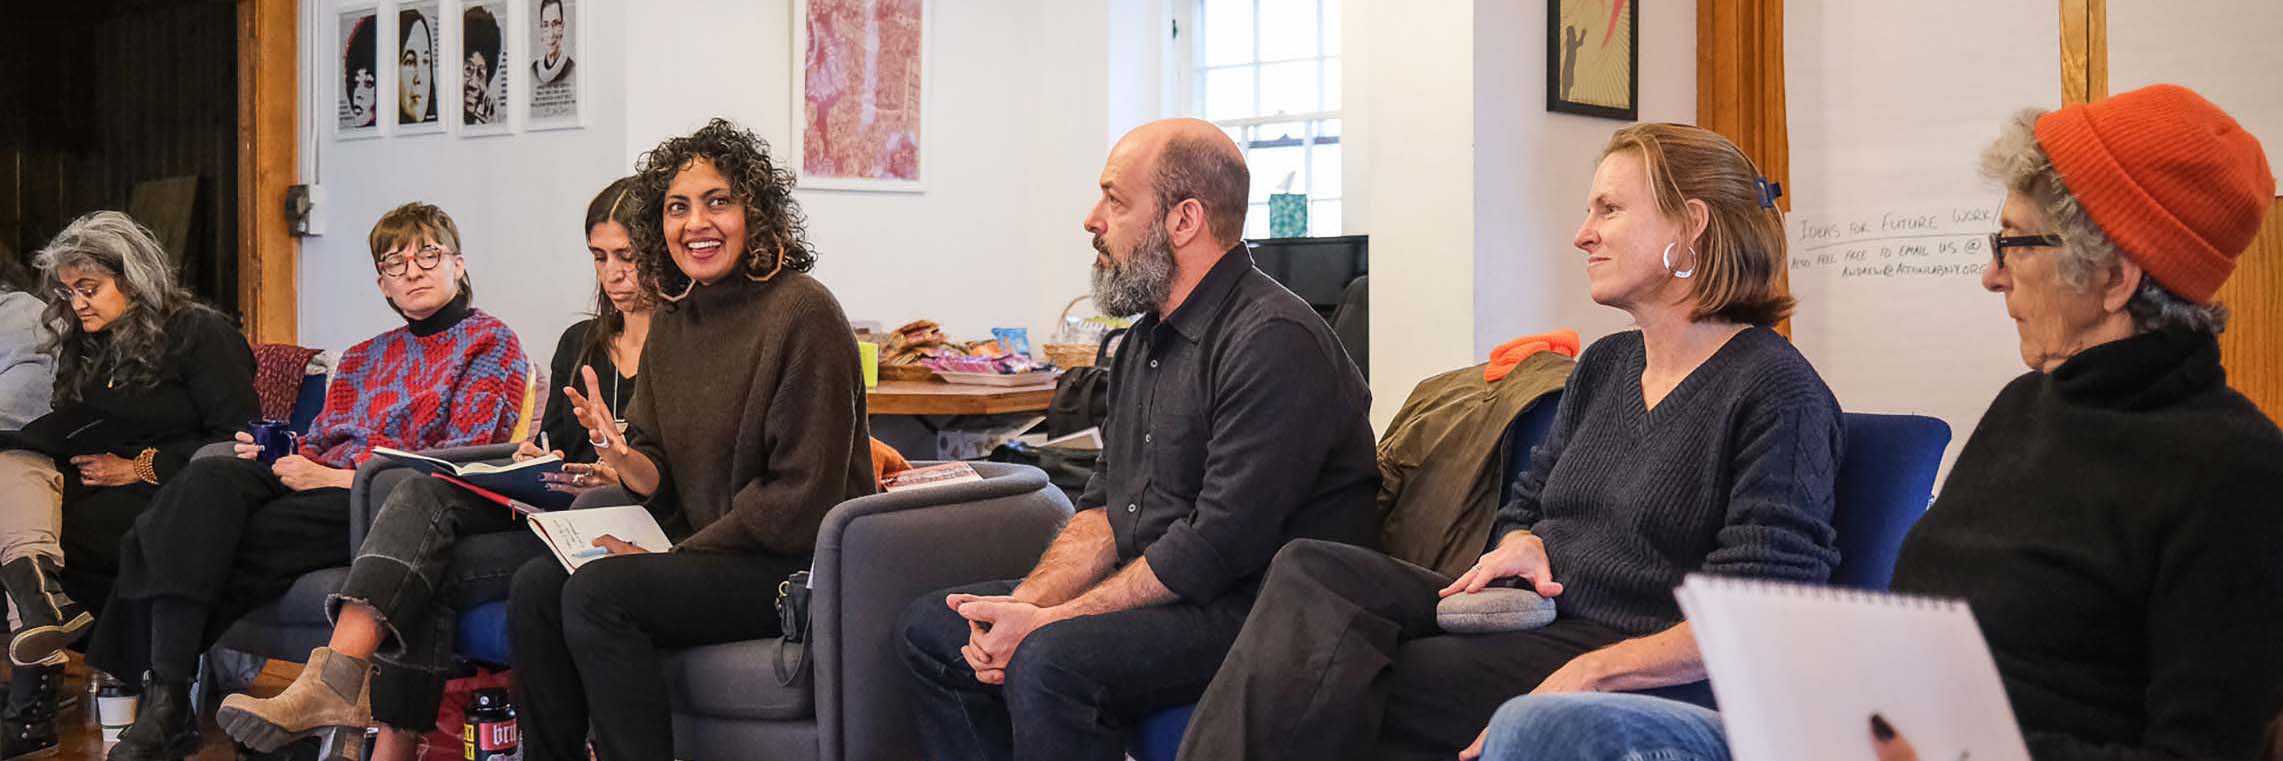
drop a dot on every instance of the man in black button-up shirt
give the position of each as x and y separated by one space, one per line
1237 423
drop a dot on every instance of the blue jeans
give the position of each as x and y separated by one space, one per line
1604 727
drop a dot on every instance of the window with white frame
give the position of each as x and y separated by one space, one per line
1268 72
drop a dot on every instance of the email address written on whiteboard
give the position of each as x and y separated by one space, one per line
1917 242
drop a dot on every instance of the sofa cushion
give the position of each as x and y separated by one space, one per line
736 680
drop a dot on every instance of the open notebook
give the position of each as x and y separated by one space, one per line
1799 670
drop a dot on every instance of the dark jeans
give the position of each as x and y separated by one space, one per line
404 572
223 537
587 644
1342 654
1074 688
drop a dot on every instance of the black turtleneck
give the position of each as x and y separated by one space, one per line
2117 526
453 312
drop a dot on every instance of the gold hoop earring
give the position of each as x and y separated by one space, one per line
774 270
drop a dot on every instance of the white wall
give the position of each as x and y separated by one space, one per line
1474 189
1018 122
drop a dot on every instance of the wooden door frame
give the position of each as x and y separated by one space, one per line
1740 89
269 57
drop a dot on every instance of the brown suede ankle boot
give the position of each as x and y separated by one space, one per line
330 699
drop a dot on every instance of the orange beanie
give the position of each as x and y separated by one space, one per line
2173 180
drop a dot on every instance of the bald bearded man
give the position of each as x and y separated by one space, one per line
1237 423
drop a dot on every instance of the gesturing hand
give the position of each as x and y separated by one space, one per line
593 412
1521 554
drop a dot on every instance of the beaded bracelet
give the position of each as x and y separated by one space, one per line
144 469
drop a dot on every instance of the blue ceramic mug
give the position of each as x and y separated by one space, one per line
276 438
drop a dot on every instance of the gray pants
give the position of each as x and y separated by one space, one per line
406 574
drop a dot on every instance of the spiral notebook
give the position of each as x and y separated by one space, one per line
1799 670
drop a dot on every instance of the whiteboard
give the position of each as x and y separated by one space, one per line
2226 50
1890 105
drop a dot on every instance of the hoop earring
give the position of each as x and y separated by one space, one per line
686 289
1682 274
773 271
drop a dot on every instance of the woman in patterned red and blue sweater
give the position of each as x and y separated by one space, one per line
230 534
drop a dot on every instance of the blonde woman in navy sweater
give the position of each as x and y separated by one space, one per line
1701 442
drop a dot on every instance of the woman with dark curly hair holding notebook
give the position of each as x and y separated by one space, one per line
747 425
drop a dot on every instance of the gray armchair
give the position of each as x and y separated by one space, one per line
874 555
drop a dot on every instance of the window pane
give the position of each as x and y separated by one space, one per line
1332 84
1287 29
1324 163
1328 128
1331 27
1228 93
1228 32
1288 88
1256 220
1323 218
1269 168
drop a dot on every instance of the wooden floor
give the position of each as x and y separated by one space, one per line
83 738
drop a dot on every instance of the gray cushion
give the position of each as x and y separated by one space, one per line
1494 610
735 680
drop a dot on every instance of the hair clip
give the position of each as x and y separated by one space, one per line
1769 191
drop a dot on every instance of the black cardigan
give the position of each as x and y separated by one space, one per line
563 429
204 393
2117 527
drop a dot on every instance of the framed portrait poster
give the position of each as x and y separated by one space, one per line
860 93
1593 58
356 97
481 56
555 30
418 27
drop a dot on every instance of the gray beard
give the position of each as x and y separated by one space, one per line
1142 283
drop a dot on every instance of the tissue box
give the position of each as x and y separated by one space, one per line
1288 215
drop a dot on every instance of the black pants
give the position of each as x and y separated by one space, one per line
1342 654
223 537
405 573
1073 689
587 644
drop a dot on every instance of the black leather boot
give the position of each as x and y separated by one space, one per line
27 725
51 620
165 728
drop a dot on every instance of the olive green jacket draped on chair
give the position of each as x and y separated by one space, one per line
1442 463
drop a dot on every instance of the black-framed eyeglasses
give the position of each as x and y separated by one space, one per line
395 265
1999 242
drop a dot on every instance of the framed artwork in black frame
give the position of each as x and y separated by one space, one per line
1593 58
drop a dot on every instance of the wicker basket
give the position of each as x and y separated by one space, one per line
1069 355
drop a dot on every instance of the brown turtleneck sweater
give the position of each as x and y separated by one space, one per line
751 402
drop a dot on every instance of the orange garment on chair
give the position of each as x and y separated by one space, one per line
1504 358
886 461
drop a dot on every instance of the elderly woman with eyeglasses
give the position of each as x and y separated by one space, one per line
231 534
2114 519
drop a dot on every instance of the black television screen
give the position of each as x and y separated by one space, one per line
1317 269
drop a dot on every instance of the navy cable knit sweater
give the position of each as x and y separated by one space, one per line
1731 474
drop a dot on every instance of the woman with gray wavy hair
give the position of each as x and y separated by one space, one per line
145 375
2113 519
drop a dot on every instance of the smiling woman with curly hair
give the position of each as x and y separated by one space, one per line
747 424
775 233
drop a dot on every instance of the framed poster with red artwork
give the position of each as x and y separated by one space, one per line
859 93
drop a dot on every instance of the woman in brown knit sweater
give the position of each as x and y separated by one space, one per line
747 424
